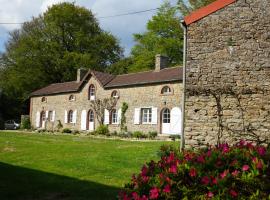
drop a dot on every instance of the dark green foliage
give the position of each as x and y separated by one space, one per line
123 118
120 67
187 6
226 172
66 130
164 35
25 123
152 134
138 134
102 130
50 48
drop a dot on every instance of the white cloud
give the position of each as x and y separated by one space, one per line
122 27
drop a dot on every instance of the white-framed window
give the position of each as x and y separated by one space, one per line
70 116
146 114
92 92
50 116
91 116
166 116
71 98
113 116
166 90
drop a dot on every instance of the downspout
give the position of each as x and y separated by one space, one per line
182 144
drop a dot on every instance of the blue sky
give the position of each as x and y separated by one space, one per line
122 27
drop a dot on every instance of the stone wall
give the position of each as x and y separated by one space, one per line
228 70
135 97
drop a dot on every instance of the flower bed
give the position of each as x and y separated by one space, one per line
238 172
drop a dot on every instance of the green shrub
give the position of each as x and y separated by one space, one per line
25 123
2 126
102 130
75 132
222 172
66 130
174 137
152 134
139 134
114 133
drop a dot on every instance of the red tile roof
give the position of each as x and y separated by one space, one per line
207 10
110 81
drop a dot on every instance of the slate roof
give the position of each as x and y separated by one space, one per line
111 81
207 10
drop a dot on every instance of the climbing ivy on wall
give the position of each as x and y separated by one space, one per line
123 118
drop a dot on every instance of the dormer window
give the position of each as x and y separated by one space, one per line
71 98
43 99
166 90
115 94
92 92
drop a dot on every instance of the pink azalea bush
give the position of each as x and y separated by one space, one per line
238 172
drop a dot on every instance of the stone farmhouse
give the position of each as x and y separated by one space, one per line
153 98
227 67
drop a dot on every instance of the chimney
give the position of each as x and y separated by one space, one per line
81 73
162 62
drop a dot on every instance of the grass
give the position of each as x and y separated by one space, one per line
39 166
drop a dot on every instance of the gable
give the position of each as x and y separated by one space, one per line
207 10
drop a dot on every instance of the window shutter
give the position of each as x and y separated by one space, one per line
66 117
47 114
106 117
154 115
74 120
137 116
83 120
119 116
53 116
37 119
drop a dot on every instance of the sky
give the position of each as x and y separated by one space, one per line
123 27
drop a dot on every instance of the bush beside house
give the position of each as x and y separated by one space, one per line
238 172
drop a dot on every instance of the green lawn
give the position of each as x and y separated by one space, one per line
35 166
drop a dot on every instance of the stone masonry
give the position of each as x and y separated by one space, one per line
228 75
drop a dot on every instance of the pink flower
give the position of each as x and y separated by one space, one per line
135 196
245 168
154 193
257 162
205 180
173 169
192 172
235 173
209 153
261 150
233 193
214 180
224 174
171 158
210 195
200 159
143 198
233 163
225 148
145 179
144 171
167 189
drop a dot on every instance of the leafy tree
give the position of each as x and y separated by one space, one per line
187 6
120 67
51 47
164 35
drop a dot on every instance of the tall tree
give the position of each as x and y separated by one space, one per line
51 47
187 6
164 35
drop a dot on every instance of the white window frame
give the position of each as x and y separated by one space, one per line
92 92
146 113
114 117
70 117
166 90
